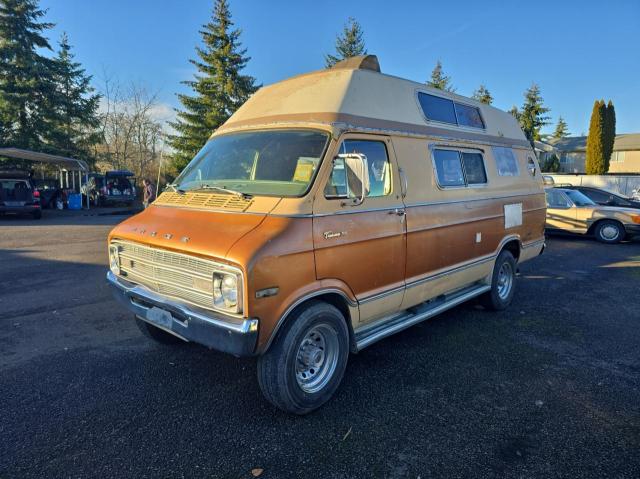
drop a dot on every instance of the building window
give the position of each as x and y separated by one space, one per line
459 168
617 157
440 109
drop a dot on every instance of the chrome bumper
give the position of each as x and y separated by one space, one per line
229 335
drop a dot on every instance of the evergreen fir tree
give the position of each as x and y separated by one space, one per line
439 80
532 116
74 107
515 112
219 87
562 129
26 82
610 132
596 162
483 95
348 44
551 164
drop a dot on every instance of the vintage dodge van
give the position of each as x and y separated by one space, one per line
332 210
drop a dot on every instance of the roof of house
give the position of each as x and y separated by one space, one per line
623 142
628 141
355 94
544 146
570 143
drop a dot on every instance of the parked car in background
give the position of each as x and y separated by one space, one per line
569 210
114 187
18 194
50 191
605 198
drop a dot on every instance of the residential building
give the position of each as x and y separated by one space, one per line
572 152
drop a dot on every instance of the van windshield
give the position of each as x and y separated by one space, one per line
270 163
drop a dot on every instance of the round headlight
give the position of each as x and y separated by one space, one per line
229 290
225 290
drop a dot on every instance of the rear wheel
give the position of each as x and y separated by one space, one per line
503 283
37 214
609 231
157 334
306 362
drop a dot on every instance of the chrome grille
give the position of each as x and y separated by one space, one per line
177 275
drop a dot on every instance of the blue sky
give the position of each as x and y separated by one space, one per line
577 51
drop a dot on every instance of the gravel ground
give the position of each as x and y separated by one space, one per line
548 388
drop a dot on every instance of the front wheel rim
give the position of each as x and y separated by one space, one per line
505 281
317 358
610 232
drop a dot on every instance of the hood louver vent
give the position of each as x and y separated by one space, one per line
203 201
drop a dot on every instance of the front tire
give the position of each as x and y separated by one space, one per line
609 231
306 362
157 334
503 281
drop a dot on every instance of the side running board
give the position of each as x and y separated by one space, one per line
388 326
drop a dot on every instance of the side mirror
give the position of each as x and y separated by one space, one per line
357 176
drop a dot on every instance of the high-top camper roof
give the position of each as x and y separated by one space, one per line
354 94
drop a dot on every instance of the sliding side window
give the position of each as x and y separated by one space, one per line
459 168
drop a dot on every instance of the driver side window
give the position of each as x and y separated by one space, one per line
556 199
377 163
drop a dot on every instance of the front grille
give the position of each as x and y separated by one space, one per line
176 275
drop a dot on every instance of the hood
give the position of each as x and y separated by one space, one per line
203 233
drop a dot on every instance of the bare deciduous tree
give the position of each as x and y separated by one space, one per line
131 134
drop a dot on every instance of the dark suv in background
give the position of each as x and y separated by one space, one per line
18 194
114 187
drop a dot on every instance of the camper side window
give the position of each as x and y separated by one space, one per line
506 161
378 165
459 168
448 167
444 110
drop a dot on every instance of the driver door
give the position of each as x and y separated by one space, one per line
363 245
561 212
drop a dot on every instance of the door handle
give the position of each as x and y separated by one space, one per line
397 211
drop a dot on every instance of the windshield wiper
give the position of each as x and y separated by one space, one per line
239 194
175 188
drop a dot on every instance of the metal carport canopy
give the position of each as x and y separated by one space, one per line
63 161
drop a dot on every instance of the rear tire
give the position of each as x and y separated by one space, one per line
157 334
37 214
306 362
503 282
609 231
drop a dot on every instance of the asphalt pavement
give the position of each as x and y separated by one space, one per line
548 388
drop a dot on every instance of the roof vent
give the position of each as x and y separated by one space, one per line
361 62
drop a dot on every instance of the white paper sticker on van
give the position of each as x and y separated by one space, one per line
512 215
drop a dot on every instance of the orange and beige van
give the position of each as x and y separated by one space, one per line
331 210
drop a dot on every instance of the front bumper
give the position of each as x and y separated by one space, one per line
229 335
25 209
632 229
